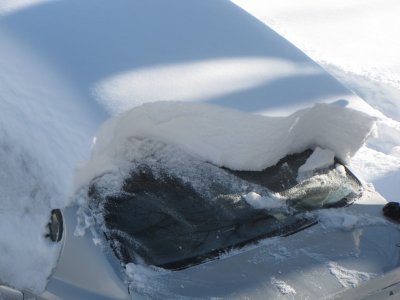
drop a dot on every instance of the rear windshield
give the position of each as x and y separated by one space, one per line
178 216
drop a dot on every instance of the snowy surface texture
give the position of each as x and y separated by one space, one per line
43 134
226 137
259 202
348 278
319 159
192 82
25 201
283 287
346 220
59 80
356 36
357 42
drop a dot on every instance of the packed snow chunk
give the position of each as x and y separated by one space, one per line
283 287
260 202
348 278
343 219
319 159
226 137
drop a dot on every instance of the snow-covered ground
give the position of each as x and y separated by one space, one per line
64 70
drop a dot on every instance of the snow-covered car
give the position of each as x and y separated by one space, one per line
185 244
178 219
170 211
245 196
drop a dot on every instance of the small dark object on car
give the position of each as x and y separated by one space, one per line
392 211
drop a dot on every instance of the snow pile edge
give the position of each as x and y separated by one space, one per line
226 137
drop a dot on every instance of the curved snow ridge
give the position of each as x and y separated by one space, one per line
226 137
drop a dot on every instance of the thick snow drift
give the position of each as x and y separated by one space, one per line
26 201
49 71
226 137
44 131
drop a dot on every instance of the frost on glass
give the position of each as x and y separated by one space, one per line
172 210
